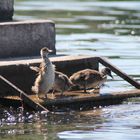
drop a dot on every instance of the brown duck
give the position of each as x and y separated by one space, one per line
89 78
62 82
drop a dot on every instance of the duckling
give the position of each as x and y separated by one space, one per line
45 79
89 78
62 82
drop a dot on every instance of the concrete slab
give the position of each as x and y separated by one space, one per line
26 38
19 73
6 9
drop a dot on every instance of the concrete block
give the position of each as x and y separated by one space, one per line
26 38
6 9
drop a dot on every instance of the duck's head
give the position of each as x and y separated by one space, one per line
107 71
45 51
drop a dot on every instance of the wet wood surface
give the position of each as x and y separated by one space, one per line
78 98
74 99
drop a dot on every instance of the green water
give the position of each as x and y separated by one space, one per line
85 27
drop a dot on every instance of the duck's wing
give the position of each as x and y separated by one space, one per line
36 69
92 76
79 76
54 67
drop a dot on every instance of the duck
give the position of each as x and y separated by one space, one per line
62 82
46 74
89 78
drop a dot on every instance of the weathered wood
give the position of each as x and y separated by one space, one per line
67 64
76 96
78 99
25 97
116 70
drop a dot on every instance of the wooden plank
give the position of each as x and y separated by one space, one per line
78 98
116 70
56 59
25 97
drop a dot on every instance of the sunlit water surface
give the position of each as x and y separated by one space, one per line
85 27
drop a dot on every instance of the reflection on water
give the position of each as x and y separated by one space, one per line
93 27
110 123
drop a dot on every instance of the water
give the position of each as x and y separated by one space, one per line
85 27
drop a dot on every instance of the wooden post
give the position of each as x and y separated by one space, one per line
25 97
123 75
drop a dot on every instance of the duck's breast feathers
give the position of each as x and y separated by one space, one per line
53 67
36 69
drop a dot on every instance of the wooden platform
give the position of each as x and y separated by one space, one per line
75 99
17 73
